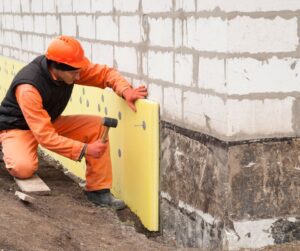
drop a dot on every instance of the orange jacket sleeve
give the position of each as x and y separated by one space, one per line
40 124
103 76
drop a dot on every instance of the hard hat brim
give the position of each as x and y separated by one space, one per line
81 64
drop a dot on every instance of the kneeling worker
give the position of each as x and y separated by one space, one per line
30 114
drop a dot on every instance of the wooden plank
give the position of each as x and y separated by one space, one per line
33 185
24 197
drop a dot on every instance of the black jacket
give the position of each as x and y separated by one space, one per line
55 95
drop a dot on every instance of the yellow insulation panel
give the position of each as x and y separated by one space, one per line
134 143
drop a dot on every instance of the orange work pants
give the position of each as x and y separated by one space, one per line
20 149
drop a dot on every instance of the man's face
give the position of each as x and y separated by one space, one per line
69 77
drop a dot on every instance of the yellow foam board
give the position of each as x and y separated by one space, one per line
134 143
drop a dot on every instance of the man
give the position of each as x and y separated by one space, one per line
30 114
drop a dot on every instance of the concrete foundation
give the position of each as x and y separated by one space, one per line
228 195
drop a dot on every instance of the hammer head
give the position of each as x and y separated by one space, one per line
109 122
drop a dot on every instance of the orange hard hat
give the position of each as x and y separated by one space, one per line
67 50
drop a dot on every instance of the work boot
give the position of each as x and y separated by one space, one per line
104 198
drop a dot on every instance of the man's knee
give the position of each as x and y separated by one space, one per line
23 170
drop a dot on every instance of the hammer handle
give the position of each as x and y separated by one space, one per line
105 134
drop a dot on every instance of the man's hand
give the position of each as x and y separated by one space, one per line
96 149
131 95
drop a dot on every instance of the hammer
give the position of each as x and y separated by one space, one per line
108 122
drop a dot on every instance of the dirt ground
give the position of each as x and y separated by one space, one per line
66 221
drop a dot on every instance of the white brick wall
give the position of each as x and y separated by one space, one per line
211 64
39 24
28 23
126 59
161 32
126 5
64 6
145 63
86 26
160 65
49 6
52 25
8 22
130 29
155 93
18 23
7 38
246 75
246 34
184 69
68 24
102 6
36 6
156 6
211 74
258 117
205 111
87 47
82 6
37 44
248 6
206 34
24 56
103 54
191 115
15 53
185 5
25 6
172 107
1 38
7 6
102 30
16 40
15 6
47 41
11 38
25 44
6 52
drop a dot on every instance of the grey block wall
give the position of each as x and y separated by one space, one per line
228 195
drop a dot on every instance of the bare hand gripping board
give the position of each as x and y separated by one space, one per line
134 144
